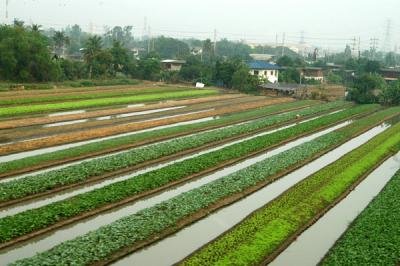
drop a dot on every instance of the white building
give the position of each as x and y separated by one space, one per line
264 70
173 65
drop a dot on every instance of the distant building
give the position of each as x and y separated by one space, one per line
263 57
312 73
390 74
196 50
172 64
264 70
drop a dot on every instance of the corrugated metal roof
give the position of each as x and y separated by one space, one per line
258 64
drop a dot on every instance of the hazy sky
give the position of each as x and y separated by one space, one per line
330 22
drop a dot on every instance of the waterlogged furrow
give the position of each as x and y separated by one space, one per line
102 243
86 149
81 172
116 192
374 237
312 245
265 231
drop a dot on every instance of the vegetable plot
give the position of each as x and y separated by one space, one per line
43 108
128 231
264 232
374 237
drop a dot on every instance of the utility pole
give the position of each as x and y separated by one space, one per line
373 47
283 43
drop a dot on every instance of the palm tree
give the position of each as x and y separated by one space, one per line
60 40
91 51
36 27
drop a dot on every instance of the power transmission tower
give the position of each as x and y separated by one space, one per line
7 2
302 37
359 47
373 47
388 36
215 41
283 43
353 46
148 38
144 28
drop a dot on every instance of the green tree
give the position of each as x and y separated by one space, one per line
60 39
367 88
123 61
92 52
243 81
391 94
24 55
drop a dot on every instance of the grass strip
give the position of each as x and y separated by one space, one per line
374 237
101 244
43 108
81 172
52 158
31 220
263 232
86 96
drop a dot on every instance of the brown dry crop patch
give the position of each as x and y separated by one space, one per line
62 118
130 127
20 134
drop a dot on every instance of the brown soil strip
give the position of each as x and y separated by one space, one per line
141 143
188 220
21 134
63 118
118 129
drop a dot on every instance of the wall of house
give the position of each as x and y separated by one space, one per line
270 75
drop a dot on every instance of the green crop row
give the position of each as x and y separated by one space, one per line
80 96
80 172
103 242
259 235
87 149
374 237
42 108
35 219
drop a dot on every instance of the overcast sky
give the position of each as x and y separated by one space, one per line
330 22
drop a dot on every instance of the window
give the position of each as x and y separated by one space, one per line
255 72
265 72
272 72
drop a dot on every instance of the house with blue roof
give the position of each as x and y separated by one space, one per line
264 70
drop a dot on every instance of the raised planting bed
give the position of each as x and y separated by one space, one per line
63 106
125 128
129 190
374 237
45 182
132 232
52 98
266 232
120 143
24 122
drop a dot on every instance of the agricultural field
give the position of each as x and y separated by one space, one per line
164 175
